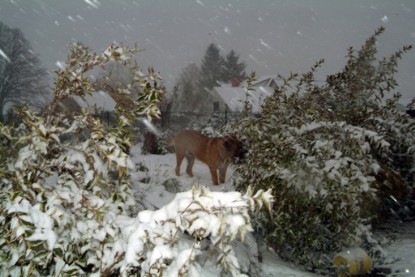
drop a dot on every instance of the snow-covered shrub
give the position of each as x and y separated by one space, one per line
63 191
169 241
322 148
66 201
363 95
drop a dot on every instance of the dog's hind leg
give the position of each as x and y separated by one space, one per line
179 159
190 162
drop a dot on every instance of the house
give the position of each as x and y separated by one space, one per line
228 98
268 81
99 101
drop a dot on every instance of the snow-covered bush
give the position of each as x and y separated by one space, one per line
62 192
66 201
326 150
170 241
364 95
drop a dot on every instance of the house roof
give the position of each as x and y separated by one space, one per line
234 97
100 100
263 87
262 81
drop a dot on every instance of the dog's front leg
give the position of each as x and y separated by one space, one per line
222 173
214 174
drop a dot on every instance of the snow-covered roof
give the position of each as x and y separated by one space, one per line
234 97
100 100
262 81
266 78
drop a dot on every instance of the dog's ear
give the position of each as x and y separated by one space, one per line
228 144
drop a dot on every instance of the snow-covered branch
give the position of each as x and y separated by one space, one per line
155 238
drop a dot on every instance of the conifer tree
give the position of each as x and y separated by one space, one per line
233 68
212 68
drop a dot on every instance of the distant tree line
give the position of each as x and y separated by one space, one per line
192 87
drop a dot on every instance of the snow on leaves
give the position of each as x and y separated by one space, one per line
68 181
325 148
155 238
66 199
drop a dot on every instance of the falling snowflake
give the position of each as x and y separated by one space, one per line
263 43
4 56
93 3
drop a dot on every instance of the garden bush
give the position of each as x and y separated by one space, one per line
66 203
58 202
333 153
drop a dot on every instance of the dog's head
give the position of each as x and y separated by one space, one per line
234 147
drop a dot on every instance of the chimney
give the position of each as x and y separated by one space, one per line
235 82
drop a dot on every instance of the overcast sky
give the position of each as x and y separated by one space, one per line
271 36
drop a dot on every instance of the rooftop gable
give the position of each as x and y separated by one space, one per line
100 100
235 97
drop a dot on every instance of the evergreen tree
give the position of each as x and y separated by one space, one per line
20 72
233 68
212 68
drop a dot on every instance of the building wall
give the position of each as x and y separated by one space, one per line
214 103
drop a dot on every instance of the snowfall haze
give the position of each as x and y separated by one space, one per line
271 36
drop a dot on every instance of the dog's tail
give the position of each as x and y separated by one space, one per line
170 143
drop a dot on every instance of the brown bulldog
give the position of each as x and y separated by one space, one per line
216 152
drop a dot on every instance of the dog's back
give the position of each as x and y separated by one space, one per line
191 142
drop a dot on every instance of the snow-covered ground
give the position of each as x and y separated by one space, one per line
400 251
